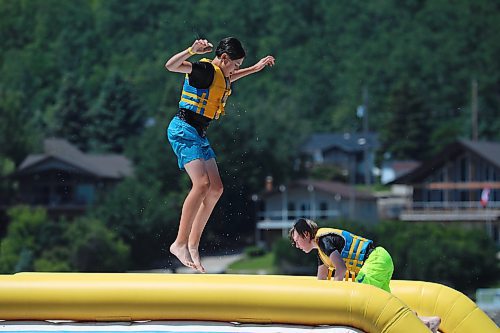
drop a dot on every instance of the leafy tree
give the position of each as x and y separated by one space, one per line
53 248
16 129
155 162
415 58
289 260
463 259
144 218
116 117
95 248
54 260
19 248
445 134
69 113
406 130
33 242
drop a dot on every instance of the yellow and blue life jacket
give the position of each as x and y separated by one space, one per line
208 102
353 253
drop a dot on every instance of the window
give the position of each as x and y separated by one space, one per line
323 207
303 210
463 169
63 195
84 194
291 210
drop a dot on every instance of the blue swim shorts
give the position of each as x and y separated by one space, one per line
187 144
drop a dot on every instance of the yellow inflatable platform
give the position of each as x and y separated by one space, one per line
237 298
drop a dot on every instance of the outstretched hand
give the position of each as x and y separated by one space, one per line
201 46
266 61
242 72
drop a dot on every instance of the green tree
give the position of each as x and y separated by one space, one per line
155 162
405 135
68 115
95 248
463 259
54 260
416 59
35 243
116 117
144 218
53 248
19 247
17 137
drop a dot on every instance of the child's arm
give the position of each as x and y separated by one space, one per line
177 63
322 272
340 267
266 61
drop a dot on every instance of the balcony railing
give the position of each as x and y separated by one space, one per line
451 211
284 219
450 205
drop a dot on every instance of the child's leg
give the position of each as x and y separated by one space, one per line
377 269
212 196
201 184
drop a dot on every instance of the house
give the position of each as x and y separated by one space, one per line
460 184
353 154
65 180
393 201
319 200
395 169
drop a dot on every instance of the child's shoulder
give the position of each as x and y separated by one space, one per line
204 67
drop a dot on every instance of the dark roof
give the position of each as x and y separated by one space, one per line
402 167
104 166
489 151
349 142
343 189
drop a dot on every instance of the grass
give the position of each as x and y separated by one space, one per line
253 265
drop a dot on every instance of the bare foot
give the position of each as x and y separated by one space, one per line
182 253
432 323
195 254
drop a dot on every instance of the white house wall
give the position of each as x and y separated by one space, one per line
317 205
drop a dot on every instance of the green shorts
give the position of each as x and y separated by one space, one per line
377 269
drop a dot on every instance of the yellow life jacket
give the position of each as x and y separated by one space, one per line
208 102
353 253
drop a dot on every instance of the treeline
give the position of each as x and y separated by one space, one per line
91 71
448 254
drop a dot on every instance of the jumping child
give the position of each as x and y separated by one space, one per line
207 85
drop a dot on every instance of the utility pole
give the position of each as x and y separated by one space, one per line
365 134
365 113
474 109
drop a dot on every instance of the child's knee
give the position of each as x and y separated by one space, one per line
202 184
216 189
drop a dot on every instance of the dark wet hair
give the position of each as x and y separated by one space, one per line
232 47
302 226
